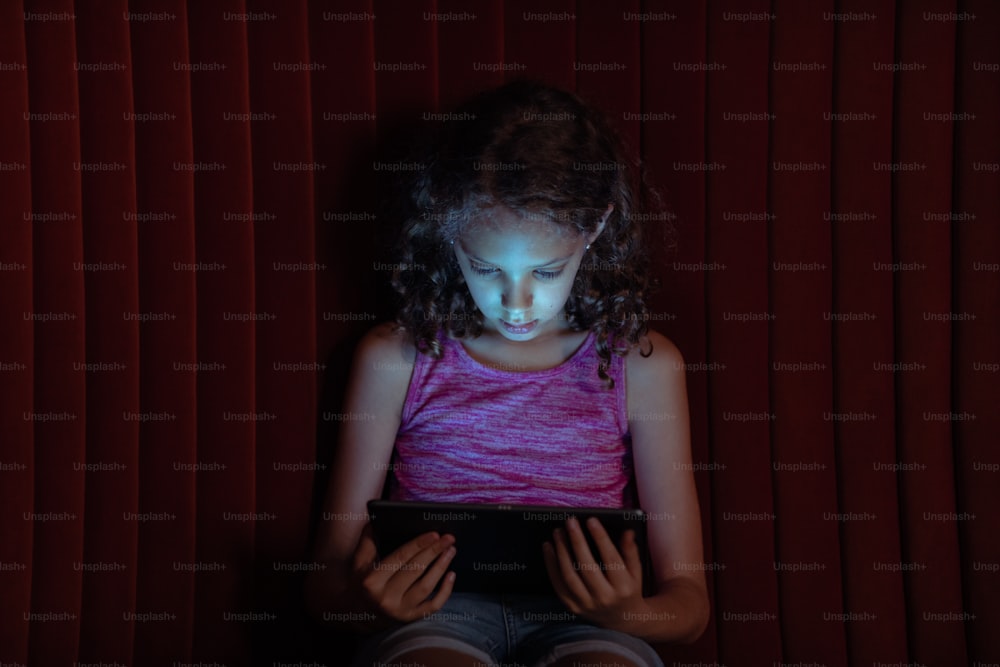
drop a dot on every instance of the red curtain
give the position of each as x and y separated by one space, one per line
191 244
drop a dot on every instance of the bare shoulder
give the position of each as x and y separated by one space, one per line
664 363
387 342
383 363
387 348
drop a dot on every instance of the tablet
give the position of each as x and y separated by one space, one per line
498 547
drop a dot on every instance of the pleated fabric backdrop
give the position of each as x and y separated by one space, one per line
191 244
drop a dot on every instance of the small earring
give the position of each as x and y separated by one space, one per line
588 247
453 242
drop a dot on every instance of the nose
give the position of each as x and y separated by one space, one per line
516 300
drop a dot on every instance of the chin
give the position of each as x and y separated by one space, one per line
519 339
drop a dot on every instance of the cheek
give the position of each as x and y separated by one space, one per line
554 296
482 294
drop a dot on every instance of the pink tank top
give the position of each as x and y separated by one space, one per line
472 433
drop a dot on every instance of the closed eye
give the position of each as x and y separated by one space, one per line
483 270
548 275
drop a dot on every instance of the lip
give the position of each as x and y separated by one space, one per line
519 329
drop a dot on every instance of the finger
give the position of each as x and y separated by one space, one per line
633 559
614 570
410 549
404 574
419 590
590 570
570 575
420 548
435 603
556 576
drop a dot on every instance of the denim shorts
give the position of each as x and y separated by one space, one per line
504 630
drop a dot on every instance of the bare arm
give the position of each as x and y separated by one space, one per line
661 448
612 596
353 588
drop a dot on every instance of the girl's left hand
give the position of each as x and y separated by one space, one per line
603 592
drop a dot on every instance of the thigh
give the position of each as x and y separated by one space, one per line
468 623
548 633
562 641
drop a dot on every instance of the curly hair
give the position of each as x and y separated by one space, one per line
545 155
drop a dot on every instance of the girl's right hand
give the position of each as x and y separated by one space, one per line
399 585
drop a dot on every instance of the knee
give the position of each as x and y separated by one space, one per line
439 657
594 659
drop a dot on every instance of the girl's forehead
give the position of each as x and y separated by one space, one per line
527 238
521 246
500 223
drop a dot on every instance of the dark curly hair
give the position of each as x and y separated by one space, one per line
545 155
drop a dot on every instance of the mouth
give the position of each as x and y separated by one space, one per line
519 329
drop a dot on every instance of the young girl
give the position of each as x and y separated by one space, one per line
520 371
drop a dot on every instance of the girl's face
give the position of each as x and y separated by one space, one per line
520 273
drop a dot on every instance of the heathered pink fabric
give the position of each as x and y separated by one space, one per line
474 433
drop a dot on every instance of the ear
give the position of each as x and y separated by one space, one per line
600 226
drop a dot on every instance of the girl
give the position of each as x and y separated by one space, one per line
520 371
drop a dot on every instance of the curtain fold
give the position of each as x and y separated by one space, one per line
195 232
59 317
17 488
735 269
863 330
110 366
976 270
801 371
227 514
923 161
170 461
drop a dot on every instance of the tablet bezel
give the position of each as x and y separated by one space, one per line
394 522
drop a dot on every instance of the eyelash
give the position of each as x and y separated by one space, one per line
544 275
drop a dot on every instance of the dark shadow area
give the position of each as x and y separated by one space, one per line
295 635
